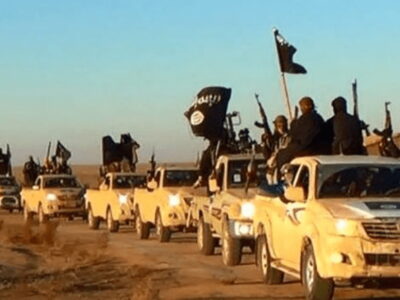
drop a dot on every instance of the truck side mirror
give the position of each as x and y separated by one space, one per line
295 194
35 187
151 185
213 186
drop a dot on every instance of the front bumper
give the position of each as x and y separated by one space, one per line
66 209
242 229
10 202
174 216
354 257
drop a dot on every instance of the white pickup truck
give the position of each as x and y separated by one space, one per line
165 202
53 196
338 221
113 200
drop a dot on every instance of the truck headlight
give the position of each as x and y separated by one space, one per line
51 197
123 199
247 210
174 200
346 227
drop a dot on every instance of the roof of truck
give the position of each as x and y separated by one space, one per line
345 159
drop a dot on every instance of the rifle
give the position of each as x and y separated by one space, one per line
388 119
152 165
363 125
9 160
296 112
264 124
48 152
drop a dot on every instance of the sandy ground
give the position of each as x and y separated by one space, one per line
67 260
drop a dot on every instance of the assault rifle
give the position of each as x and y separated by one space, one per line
364 126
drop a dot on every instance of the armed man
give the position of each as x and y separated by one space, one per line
346 129
306 135
31 171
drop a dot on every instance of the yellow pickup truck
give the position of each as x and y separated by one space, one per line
226 216
113 200
337 221
165 202
10 197
53 196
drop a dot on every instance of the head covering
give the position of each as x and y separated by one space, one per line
339 104
280 118
307 101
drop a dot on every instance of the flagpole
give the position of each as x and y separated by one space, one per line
286 96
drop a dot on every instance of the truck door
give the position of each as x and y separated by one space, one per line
293 227
216 199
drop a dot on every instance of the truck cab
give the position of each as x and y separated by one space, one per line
54 196
341 215
10 198
225 217
165 202
113 200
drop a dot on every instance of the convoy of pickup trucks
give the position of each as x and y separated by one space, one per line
333 220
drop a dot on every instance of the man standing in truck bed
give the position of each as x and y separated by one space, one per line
306 134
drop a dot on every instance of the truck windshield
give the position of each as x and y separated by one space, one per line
7 181
237 173
365 181
61 182
128 182
175 178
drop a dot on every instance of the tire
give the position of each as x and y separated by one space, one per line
43 218
142 229
269 274
112 226
28 216
10 210
93 222
205 241
163 233
231 247
316 288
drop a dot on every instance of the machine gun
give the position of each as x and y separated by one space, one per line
267 136
364 126
387 147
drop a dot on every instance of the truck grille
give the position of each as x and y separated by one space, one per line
382 259
384 230
67 197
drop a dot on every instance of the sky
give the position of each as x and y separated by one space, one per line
78 70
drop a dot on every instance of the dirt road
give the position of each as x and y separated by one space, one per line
69 261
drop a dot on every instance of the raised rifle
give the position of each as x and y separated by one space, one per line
388 119
152 162
265 126
363 125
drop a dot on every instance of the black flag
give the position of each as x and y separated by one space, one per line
111 151
62 152
285 54
207 113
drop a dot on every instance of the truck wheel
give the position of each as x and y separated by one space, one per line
231 247
316 288
112 226
94 222
163 232
43 218
28 216
205 240
142 229
270 275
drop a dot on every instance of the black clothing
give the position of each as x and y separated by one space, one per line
347 135
306 138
